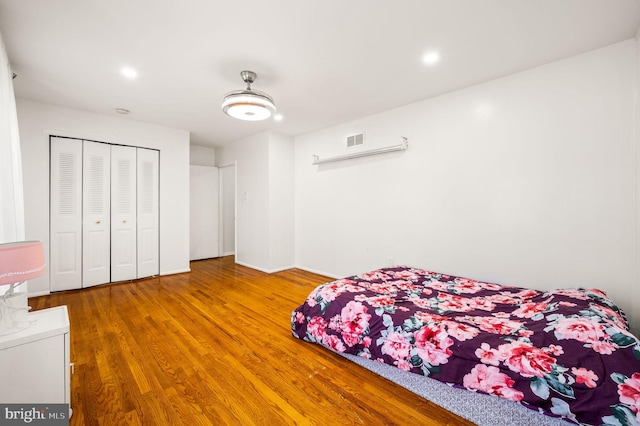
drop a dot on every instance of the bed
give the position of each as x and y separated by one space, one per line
565 353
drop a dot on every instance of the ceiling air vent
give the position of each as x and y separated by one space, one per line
355 140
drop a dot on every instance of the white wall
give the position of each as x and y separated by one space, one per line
37 121
228 198
252 191
202 155
525 180
264 215
281 202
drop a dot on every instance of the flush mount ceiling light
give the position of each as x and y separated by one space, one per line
248 104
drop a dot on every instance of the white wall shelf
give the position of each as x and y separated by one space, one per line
401 147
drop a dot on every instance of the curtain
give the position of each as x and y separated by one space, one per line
11 196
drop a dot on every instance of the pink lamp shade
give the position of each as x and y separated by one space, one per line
21 261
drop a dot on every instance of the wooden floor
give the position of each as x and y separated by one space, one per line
214 347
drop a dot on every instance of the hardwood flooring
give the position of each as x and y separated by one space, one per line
214 347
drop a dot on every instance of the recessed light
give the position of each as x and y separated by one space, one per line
431 58
277 117
129 72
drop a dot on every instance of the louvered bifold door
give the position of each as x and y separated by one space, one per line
65 254
96 235
148 224
123 213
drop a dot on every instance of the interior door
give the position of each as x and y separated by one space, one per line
123 213
65 255
96 233
148 218
204 204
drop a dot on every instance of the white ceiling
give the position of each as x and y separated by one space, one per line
324 62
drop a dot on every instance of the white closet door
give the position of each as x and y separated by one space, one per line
148 226
204 204
96 233
123 213
65 256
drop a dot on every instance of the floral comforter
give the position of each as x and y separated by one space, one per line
567 353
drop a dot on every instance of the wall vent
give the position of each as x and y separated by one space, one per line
355 140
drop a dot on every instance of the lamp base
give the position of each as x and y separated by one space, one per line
13 313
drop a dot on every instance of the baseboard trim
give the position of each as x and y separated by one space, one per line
266 271
177 271
315 271
39 293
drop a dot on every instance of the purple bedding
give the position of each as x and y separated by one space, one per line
567 353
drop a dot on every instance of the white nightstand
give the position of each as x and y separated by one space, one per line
34 363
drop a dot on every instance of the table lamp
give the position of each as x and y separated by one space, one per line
19 261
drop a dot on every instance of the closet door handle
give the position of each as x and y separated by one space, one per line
124 221
97 222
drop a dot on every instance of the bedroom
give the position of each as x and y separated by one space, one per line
536 167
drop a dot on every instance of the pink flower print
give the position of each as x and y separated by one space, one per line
555 350
505 299
351 339
404 365
460 331
428 317
396 346
432 343
498 325
453 303
317 327
422 303
382 288
407 275
438 285
380 301
572 292
354 318
366 341
374 275
528 310
585 376
490 380
465 285
525 333
526 294
609 313
488 355
580 329
333 342
629 392
482 303
526 359
604 347
490 286
299 317
406 285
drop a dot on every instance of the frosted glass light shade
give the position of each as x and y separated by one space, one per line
249 105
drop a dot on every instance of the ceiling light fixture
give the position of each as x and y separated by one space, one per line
128 72
431 58
248 104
